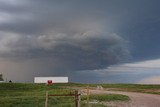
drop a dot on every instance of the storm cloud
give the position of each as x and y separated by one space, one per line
90 50
56 38
75 38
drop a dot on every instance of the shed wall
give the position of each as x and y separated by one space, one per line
54 79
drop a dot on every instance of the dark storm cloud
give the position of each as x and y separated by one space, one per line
89 50
55 30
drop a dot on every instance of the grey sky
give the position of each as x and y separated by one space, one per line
75 38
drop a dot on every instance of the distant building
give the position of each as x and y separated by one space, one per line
1 78
51 80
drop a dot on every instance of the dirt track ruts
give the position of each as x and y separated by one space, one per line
137 99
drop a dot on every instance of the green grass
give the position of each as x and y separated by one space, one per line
107 97
33 95
92 105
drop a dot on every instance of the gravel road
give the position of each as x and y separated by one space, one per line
137 99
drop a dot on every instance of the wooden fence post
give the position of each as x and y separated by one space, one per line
76 95
77 99
87 96
46 103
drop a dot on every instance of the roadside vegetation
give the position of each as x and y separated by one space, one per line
107 97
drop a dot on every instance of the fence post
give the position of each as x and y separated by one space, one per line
77 99
46 103
87 96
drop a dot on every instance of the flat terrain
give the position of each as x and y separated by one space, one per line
137 99
33 95
114 95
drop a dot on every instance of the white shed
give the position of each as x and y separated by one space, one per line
52 79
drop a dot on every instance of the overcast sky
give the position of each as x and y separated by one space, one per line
110 41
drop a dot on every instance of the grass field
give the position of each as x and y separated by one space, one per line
33 95
107 97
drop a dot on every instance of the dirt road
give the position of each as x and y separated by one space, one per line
137 99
